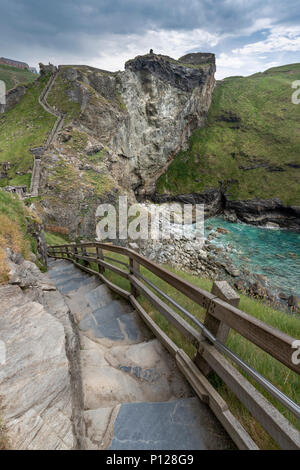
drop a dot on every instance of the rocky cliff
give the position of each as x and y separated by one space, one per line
121 131
248 150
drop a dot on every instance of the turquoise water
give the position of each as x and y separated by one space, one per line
273 253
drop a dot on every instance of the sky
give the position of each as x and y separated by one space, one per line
246 36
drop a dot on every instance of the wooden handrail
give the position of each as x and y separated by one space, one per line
270 339
221 315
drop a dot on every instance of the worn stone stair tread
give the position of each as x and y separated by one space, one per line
147 362
86 288
105 386
64 274
72 278
112 322
185 424
99 297
77 300
56 271
62 265
72 284
134 397
61 273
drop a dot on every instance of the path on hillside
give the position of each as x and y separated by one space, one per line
134 396
60 116
36 172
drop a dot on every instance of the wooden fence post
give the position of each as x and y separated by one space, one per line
99 251
75 251
84 253
223 291
134 265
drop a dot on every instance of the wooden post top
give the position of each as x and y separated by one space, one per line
225 292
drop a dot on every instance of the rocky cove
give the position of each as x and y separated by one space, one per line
267 212
263 262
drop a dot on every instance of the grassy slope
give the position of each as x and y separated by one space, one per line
59 97
278 374
55 238
21 128
266 132
12 76
14 220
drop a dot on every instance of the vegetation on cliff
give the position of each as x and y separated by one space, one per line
251 141
60 97
15 219
12 76
23 127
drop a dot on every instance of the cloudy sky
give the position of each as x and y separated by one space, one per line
246 36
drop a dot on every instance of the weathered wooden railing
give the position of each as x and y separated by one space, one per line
208 338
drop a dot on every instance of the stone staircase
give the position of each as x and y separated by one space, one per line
36 172
134 397
35 177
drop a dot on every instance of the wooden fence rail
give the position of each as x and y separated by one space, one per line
222 314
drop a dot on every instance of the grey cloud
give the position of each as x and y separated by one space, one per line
70 25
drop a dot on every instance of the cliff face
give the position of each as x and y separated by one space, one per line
250 145
121 131
145 114
165 101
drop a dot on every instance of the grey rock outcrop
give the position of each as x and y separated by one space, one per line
34 381
127 128
14 96
39 379
47 69
165 101
144 115
213 200
264 212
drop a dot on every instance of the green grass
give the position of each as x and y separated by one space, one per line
12 76
64 177
97 157
15 210
16 221
55 238
23 127
100 183
286 380
78 141
59 97
264 135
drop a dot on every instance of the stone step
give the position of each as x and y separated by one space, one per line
130 373
112 322
99 297
65 275
72 284
58 263
62 268
134 396
184 424
77 299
